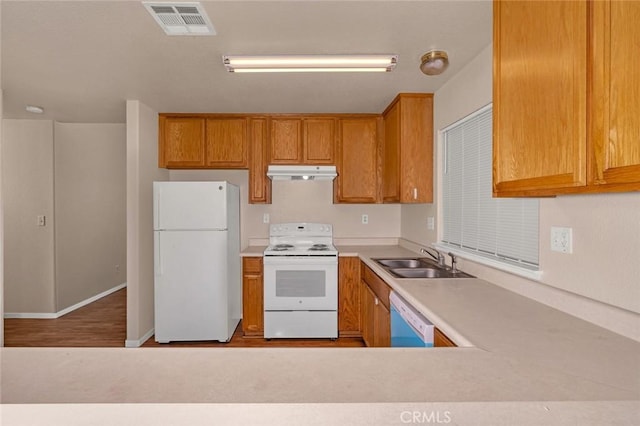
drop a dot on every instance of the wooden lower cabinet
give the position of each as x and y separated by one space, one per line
349 297
441 340
252 297
375 318
367 308
382 326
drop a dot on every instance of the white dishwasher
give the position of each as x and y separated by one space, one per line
409 328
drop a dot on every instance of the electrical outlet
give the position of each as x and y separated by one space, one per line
431 223
561 239
365 219
265 218
42 221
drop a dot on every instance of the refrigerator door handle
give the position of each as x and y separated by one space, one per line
157 209
157 256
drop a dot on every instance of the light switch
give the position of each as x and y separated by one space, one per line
431 223
265 218
561 239
42 220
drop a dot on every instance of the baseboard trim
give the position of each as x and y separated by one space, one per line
132 343
55 315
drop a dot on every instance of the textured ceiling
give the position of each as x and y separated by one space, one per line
81 60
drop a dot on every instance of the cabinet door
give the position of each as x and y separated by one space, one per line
259 183
367 312
407 171
227 143
357 161
349 296
382 326
615 151
391 155
416 148
539 96
441 340
319 140
252 297
181 142
286 141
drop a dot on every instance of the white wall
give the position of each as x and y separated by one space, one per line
1 208
74 175
599 281
27 180
90 209
303 201
142 170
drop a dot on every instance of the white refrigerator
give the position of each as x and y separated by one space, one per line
198 293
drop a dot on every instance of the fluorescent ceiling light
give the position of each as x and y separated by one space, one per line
310 63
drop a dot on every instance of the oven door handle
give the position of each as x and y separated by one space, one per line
300 260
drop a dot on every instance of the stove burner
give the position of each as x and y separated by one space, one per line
282 247
319 247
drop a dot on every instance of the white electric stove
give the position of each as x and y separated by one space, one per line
300 282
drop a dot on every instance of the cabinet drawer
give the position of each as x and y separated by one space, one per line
252 265
379 287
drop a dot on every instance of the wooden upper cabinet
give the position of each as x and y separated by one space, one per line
302 140
286 141
202 141
391 155
566 101
357 161
259 183
615 119
407 169
181 142
319 140
226 143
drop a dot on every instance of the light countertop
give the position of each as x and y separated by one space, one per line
527 363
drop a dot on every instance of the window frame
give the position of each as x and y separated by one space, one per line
526 271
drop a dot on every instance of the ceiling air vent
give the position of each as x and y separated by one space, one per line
181 18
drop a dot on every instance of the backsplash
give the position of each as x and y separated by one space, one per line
303 201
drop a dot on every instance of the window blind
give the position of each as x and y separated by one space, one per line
505 229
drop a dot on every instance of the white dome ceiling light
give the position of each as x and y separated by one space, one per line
434 62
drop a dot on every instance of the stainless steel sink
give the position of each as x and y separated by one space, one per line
400 263
418 268
407 263
427 273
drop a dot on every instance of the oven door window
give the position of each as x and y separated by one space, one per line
301 284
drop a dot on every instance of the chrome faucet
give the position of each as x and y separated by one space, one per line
454 268
438 256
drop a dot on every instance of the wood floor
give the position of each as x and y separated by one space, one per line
103 324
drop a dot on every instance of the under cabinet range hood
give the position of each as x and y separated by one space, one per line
298 172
